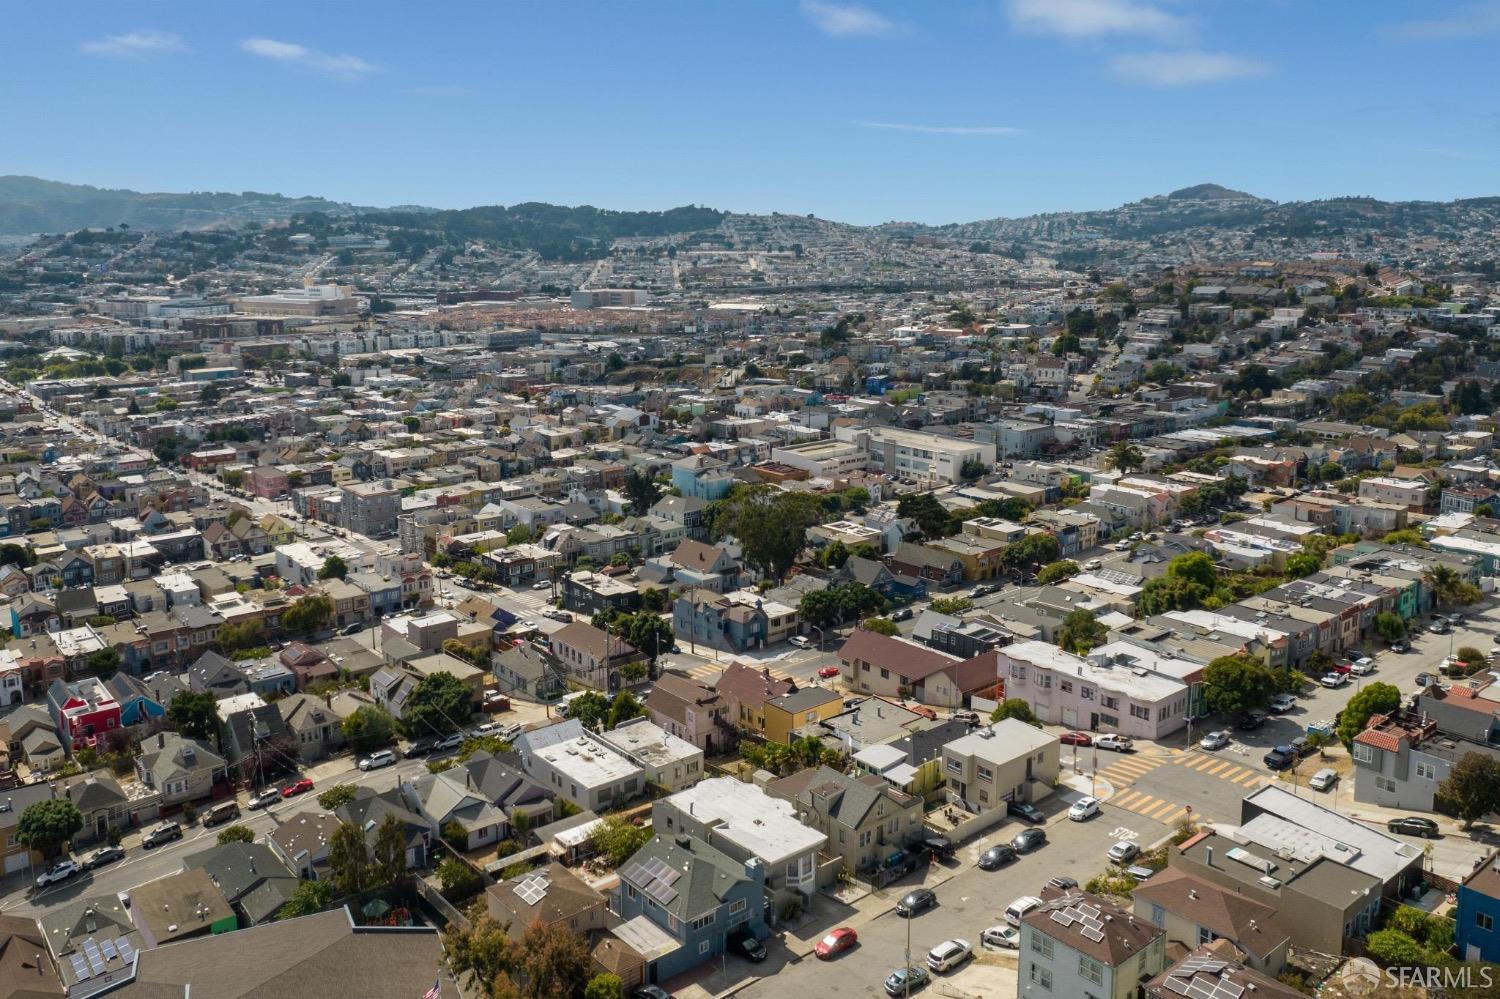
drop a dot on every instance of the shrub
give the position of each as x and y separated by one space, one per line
457 877
1413 922
1394 948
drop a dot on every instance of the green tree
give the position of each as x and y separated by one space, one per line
47 826
1376 698
1032 551
16 555
307 898
771 526
1054 572
334 567
337 796
457 877
651 633
1012 508
617 840
368 728
555 961
349 859
1302 564
439 704
1390 626
1080 632
604 986
833 555
881 626
1472 788
642 490
103 662
1126 457
950 605
389 862
307 614
624 707
589 708
926 512
194 714
972 469
519 535
1235 685
1017 708
232 637
236 834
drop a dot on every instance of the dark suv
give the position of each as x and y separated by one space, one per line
1026 811
1414 825
1280 758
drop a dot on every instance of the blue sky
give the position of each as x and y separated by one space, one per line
864 112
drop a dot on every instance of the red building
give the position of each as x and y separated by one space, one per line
84 712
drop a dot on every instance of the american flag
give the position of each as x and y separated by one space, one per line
434 992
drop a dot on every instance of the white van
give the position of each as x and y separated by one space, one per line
1017 910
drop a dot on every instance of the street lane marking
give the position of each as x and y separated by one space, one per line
1132 796
1145 805
1232 773
1248 776
1165 810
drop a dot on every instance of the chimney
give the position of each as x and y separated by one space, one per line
1208 855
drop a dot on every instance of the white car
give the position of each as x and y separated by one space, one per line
1121 546
1117 743
375 761
1334 680
1323 779
1001 936
1214 740
60 871
262 799
1093 563
1282 703
1362 667
949 954
800 641
1083 808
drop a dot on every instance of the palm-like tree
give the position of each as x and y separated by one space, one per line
1445 582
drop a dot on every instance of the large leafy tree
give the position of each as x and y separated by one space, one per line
642 490
617 840
651 633
1080 632
555 962
389 862
194 714
1126 457
1053 572
1032 551
1017 708
349 859
1190 581
483 949
1374 699
47 826
624 707
771 526
1473 787
307 614
589 708
1390 626
1235 685
334 567
368 728
307 898
926 512
440 704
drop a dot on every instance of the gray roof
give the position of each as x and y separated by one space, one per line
250 875
707 875
170 755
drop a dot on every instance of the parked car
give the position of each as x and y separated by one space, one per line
800 641
224 811
949 954
1252 721
448 742
1455 619
541 584
1084 808
384 758
420 747
1027 811
57 873
828 672
901 614
982 590
264 797
997 856
1029 839
1093 563
904 980
1400 647
353 629
1282 703
836 942
1323 779
1425 679
1076 739
1214 740
743 943
916 901
1362 667
1123 852
1280 758
1414 825
940 847
1334 680
1439 627
103 855
165 832
1017 910
1062 883
1118 743
297 787
1001 936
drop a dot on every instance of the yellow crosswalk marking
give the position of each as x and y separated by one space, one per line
1246 777
1142 807
1218 768
1165 810
1231 773
1132 796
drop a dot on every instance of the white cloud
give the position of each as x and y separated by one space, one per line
942 129
842 20
1184 68
1475 19
133 44
1092 18
345 66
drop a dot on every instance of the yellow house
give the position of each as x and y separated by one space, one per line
278 531
789 712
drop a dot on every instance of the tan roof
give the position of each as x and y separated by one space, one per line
750 687
1250 924
1122 935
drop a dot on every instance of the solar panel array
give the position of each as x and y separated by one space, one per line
80 967
533 889
1087 918
127 952
1185 981
656 877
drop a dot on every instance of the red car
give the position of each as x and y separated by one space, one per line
1076 739
828 671
836 942
301 787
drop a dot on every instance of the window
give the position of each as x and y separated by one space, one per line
1090 969
703 921
1363 753
955 766
1087 693
1066 686
737 906
1042 945
1111 702
1484 920
703 947
1110 720
985 773
1158 916
1426 771
1042 977
1206 935
1044 680
630 891
1136 711
1017 672
885 674
1382 784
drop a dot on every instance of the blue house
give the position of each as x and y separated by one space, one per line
703 617
142 699
701 476
1477 932
269 677
695 894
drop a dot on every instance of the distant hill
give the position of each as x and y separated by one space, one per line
1210 192
32 205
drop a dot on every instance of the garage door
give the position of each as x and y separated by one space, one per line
15 862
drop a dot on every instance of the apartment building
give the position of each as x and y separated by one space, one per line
912 454
1078 944
1112 691
1007 761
